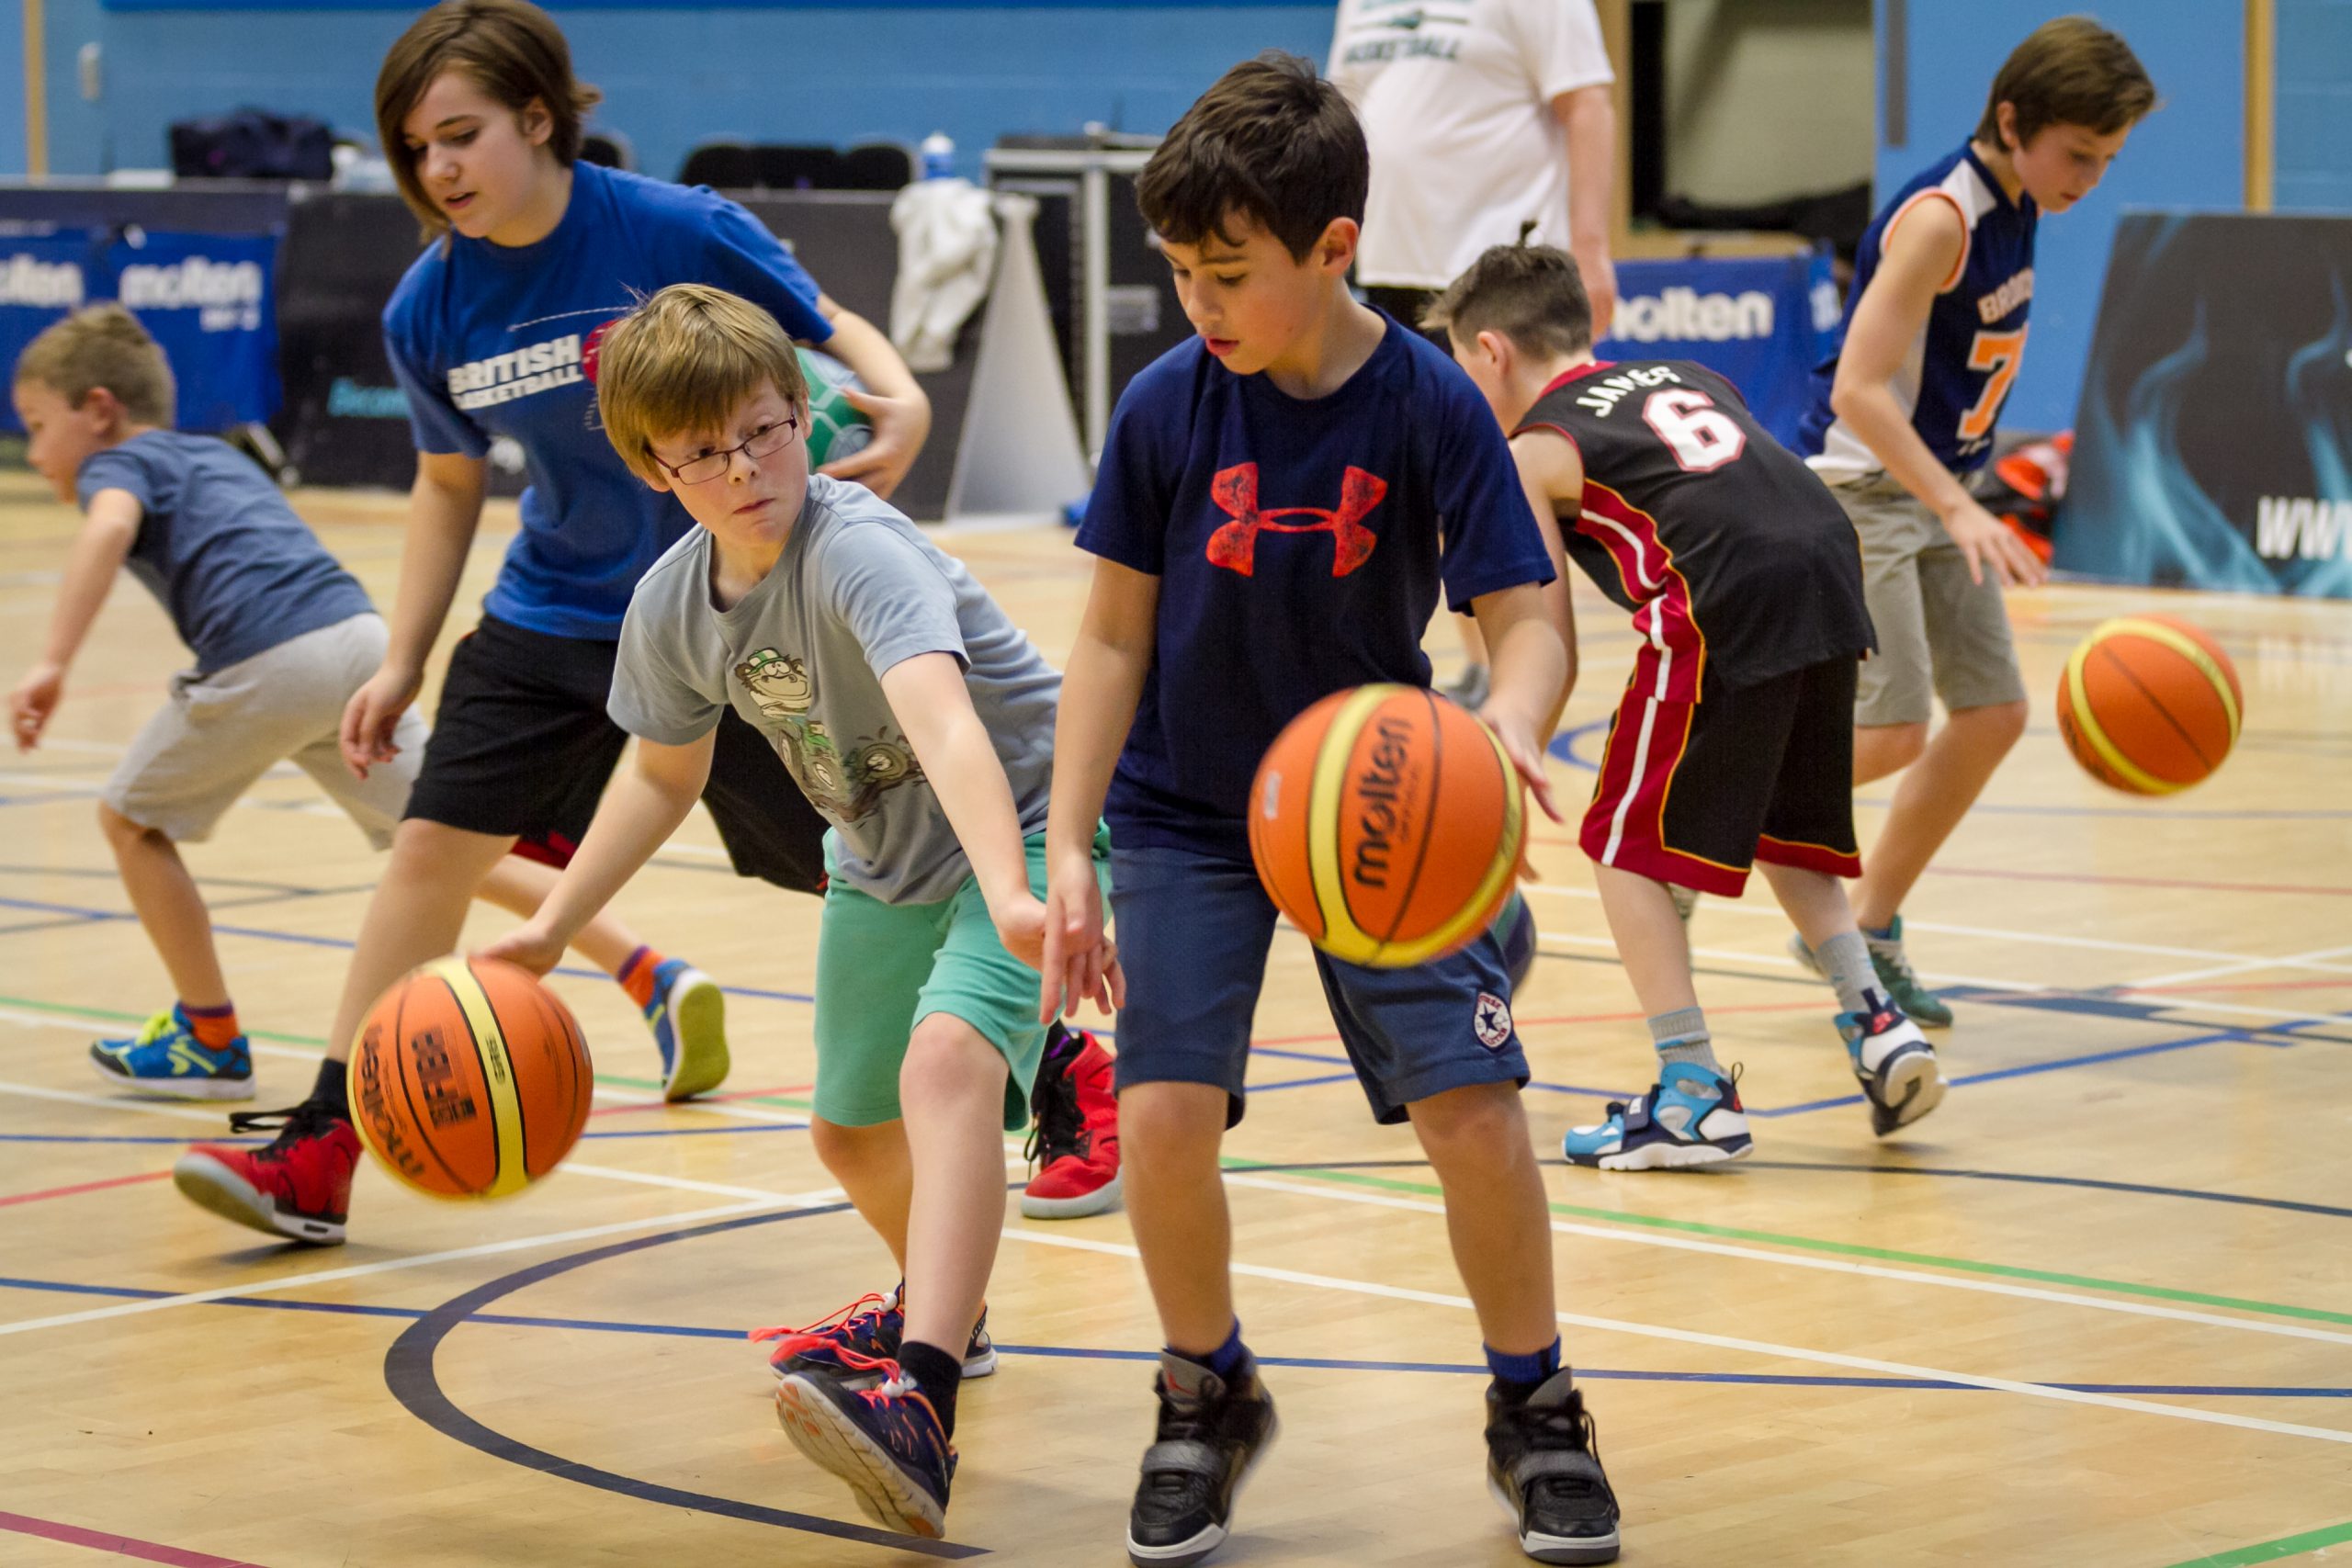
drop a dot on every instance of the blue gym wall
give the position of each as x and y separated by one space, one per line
2312 171
2190 153
674 76
12 74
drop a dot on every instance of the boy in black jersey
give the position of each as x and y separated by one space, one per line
1734 742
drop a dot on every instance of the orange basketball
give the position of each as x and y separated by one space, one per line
2149 705
470 1079
1385 823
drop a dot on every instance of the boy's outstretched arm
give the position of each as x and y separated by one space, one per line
1099 690
1551 472
443 510
1530 666
642 807
934 707
1921 253
107 533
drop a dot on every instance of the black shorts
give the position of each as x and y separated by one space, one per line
522 746
1694 793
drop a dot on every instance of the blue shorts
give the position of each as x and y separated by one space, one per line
1193 930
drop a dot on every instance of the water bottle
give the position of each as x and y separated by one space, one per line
938 156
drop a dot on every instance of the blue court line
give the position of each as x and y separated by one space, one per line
1090 1353
182 1142
1564 745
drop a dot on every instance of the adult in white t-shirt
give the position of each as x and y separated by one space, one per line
1485 116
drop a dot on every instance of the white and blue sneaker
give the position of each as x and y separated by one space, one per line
1897 1067
688 1017
165 1058
1692 1116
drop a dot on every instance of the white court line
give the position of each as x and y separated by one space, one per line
717 1189
360 1270
185 1112
2300 961
1827 1264
1751 1347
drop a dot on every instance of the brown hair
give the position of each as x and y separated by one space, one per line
685 360
2070 71
102 346
509 49
1533 295
1270 143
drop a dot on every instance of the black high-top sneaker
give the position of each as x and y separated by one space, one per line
1542 1464
1212 1433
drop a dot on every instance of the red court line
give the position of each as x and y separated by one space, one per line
120 1545
84 1187
2095 880
703 1099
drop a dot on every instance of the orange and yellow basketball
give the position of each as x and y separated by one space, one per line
2149 705
470 1079
1385 823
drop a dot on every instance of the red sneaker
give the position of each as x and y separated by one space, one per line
298 1185
1076 1144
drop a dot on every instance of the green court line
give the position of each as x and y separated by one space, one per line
316 1043
2272 1550
1854 1250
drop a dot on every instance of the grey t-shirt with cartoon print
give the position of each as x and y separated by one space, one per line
857 590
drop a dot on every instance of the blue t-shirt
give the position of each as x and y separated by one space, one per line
1300 546
1959 368
494 341
219 547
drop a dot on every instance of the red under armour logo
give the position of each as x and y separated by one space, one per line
1234 544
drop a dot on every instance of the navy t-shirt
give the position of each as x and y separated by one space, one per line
218 547
492 340
1300 546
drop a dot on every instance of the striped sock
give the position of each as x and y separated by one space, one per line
215 1028
1681 1036
636 974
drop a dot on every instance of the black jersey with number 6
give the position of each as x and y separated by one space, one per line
1735 560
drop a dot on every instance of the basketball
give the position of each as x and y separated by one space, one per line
1385 824
2149 705
470 1080
835 428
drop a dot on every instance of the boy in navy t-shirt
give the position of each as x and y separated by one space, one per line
1281 502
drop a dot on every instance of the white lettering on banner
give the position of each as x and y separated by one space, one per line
1602 393
226 296
1685 315
2287 526
49 286
519 373
2015 291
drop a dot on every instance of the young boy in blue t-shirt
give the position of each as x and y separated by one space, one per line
1280 503
282 635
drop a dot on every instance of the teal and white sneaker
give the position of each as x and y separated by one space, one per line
1692 1116
163 1059
1920 1005
688 1017
1897 1067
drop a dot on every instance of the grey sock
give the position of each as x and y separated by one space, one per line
1681 1036
1846 959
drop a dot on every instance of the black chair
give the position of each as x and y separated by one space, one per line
797 166
877 166
722 165
608 148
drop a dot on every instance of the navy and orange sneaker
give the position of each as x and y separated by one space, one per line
1076 1144
887 1441
848 1343
298 1185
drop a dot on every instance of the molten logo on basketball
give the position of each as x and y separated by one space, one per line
1382 796
383 1132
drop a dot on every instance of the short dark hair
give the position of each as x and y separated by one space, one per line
510 48
2070 71
1533 295
1272 143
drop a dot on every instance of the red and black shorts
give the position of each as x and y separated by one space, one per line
1694 793
522 746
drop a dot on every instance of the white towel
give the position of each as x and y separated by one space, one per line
947 255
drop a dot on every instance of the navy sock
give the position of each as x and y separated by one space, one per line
1226 1360
937 1373
1522 1375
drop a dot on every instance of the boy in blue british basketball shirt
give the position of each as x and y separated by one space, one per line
493 335
1905 411
1281 502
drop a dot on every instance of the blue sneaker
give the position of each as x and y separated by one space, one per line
164 1058
1692 1116
887 1442
1897 1067
688 1017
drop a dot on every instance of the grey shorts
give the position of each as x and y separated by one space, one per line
1937 631
221 732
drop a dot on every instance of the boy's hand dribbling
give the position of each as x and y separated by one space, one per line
1079 963
368 718
1986 542
900 426
1518 737
527 946
31 704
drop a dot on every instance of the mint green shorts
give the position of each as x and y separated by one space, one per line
883 969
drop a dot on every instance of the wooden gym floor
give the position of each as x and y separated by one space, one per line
2097 1310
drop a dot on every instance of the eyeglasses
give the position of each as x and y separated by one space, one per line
764 442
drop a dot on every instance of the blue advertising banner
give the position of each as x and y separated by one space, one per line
1760 323
2213 444
44 277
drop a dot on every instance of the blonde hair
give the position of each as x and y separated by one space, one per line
102 346
685 360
